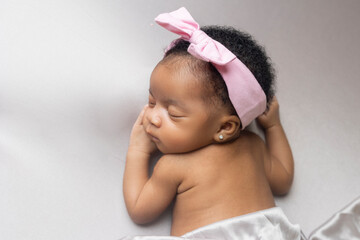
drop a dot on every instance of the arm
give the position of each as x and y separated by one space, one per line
279 162
145 198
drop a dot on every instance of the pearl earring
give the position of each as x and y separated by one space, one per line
221 137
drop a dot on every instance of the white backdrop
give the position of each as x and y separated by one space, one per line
74 75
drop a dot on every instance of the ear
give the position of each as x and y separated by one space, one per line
229 128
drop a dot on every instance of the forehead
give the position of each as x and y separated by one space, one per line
175 78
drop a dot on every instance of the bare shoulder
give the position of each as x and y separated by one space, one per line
171 166
252 141
172 160
167 162
250 135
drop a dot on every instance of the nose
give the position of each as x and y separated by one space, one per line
152 115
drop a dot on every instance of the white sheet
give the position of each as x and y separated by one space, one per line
73 77
269 224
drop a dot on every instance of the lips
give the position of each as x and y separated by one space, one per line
154 139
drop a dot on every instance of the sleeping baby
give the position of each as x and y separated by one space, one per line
211 83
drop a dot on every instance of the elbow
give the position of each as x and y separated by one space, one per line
282 187
140 216
281 191
138 219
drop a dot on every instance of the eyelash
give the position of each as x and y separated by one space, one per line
173 116
152 104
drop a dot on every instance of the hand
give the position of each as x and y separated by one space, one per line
271 117
139 141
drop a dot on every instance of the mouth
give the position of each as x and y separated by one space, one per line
155 139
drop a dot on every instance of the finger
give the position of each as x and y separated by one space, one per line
264 114
261 117
139 120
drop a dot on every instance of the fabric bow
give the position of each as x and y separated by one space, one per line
201 45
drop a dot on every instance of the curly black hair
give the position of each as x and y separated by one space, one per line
239 43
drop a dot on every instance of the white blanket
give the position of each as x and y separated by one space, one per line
267 224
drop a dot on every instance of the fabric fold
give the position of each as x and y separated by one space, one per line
268 224
344 225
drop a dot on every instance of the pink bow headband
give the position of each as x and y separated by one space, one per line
245 93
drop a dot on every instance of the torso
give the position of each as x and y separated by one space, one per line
221 181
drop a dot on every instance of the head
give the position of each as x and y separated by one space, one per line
189 106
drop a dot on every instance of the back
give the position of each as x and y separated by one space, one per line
220 181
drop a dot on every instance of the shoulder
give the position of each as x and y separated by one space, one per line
250 145
166 162
250 135
252 140
170 166
171 160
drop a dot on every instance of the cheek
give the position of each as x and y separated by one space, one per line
181 139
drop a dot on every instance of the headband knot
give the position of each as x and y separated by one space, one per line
209 50
201 45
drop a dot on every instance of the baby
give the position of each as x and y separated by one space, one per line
211 166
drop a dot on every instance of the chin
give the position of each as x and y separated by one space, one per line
174 151
165 150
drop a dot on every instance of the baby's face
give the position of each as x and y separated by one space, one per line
177 119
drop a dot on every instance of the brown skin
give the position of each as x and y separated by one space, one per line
210 179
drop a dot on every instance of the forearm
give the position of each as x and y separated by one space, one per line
135 177
147 197
278 159
279 148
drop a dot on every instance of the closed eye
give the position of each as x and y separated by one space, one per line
175 113
175 116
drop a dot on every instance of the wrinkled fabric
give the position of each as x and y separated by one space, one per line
269 224
344 225
201 45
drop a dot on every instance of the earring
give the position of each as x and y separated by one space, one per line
221 137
